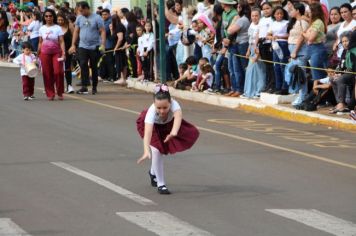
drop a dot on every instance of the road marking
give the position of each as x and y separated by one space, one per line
299 153
162 224
304 154
9 228
115 188
103 104
318 220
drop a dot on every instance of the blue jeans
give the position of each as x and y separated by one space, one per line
237 66
218 64
317 54
4 47
301 60
206 52
34 43
279 69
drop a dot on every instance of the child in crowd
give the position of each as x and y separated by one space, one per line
264 45
197 46
278 34
322 90
182 68
205 36
202 61
255 72
28 83
145 49
205 78
190 75
139 32
164 132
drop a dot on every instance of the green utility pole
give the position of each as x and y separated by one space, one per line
162 42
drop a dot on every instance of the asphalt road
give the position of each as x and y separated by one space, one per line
69 168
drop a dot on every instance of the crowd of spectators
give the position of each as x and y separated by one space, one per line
227 47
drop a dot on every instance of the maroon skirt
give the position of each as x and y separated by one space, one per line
185 139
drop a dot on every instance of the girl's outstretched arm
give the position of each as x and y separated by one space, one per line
178 116
146 143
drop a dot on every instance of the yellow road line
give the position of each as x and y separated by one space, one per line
304 154
299 153
103 104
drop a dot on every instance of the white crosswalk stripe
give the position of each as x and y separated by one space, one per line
318 220
115 188
162 224
9 228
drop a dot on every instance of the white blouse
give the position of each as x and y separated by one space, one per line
152 116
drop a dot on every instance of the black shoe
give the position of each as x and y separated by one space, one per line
284 92
271 91
83 90
94 91
265 90
153 179
299 106
225 91
163 190
278 92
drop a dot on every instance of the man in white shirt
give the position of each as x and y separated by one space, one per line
353 3
106 5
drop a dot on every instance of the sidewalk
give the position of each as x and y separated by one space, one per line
8 64
282 111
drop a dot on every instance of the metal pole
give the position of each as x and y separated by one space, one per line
153 20
162 42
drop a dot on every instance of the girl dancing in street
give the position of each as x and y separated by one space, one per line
164 132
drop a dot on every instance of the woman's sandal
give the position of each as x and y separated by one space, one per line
343 110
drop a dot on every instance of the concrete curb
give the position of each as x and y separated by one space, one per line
8 65
252 106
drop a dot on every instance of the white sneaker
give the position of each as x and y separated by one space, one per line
243 96
70 89
120 82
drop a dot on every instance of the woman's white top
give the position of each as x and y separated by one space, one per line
51 32
263 27
152 116
341 30
34 28
279 28
19 60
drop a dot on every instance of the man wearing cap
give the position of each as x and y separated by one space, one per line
228 15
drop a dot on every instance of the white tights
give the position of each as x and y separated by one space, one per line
157 166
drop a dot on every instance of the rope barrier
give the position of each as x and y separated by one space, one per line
307 67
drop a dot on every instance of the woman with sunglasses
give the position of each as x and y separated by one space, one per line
52 55
164 132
